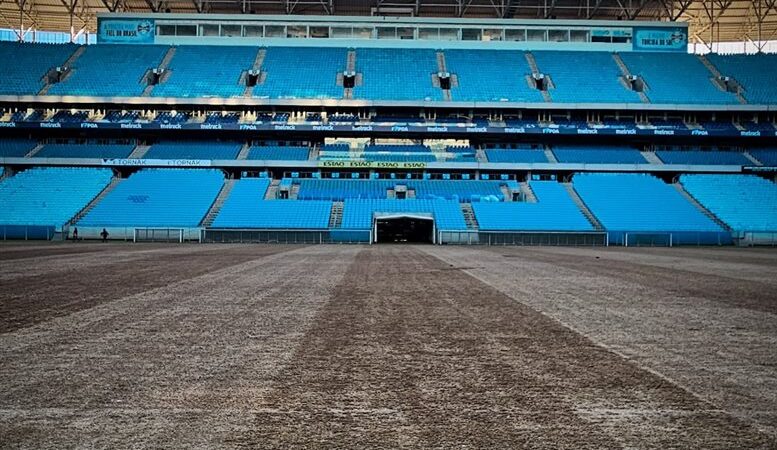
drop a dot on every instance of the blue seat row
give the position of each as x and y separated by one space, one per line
193 150
359 213
743 202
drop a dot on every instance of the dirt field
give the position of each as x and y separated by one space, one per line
210 346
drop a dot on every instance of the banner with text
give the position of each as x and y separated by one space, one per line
115 31
661 39
370 165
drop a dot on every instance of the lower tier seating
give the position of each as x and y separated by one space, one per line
49 196
767 157
516 156
553 211
597 155
16 148
743 202
277 153
193 150
158 198
84 151
358 213
703 157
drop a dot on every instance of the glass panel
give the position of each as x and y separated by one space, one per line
558 35
406 32
537 35
449 34
165 30
515 34
492 34
362 32
275 31
319 32
470 34
296 31
428 33
231 30
621 39
253 31
341 32
186 30
209 30
387 33
578 35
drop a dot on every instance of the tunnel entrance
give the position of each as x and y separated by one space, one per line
404 229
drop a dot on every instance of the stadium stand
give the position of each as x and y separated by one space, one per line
16 148
712 157
193 150
675 78
597 155
743 202
277 153
245 208
30 63
338 190
158 198
110 70
553 211
755 73
358 213
584 77
316 78
516 156
206 71
767 157
396 74
49 196
399 157
641 203
84 151
491 75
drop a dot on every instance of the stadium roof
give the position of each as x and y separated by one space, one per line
709 20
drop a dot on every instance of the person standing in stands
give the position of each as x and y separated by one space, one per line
75 234
104 234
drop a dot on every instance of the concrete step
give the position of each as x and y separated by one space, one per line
244 150
336 215
583 207
31 153
752 158
215 208
627 73
651 157
681 189
272 190
139 152
550 155
85 210
469 216
528 193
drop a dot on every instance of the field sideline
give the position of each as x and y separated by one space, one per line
263 346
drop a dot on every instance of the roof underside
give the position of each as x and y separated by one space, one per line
709 20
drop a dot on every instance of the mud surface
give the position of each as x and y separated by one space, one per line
383 347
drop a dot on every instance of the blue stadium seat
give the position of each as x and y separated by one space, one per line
396 74
516 156
49 196
712 157
16 148
85 151
597 155
358 213
755 73
158 198
193 150
315 78
30 63
553 211
279 153
743 202
490 76
206 71
767 157
460 190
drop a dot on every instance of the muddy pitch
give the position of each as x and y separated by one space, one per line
211 346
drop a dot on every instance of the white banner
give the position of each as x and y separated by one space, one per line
158 162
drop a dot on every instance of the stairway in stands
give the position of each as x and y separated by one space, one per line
257 65
243 154
336 215
626 74
85 210
162 66
651 157
752 158
535 70
272 190
692 200
34 151
583 207
528 193
350 66
68 64
469 216
139 152
550 155
717 76
215 208
294 191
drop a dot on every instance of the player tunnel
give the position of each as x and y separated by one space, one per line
410 228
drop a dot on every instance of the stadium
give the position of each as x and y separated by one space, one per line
388 224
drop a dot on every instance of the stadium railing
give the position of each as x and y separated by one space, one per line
572 239
286 236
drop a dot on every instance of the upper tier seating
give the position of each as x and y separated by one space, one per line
516 156
30 63
16 148
278 153
676 78
396 74
703 157
49 196
554 211
358 213
399 157
743 202
767 157
490 75
110 70
246 208
193 150
84 151
584 77
462 190
755 73
206 71
158 198
316 77
597 155
639 202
